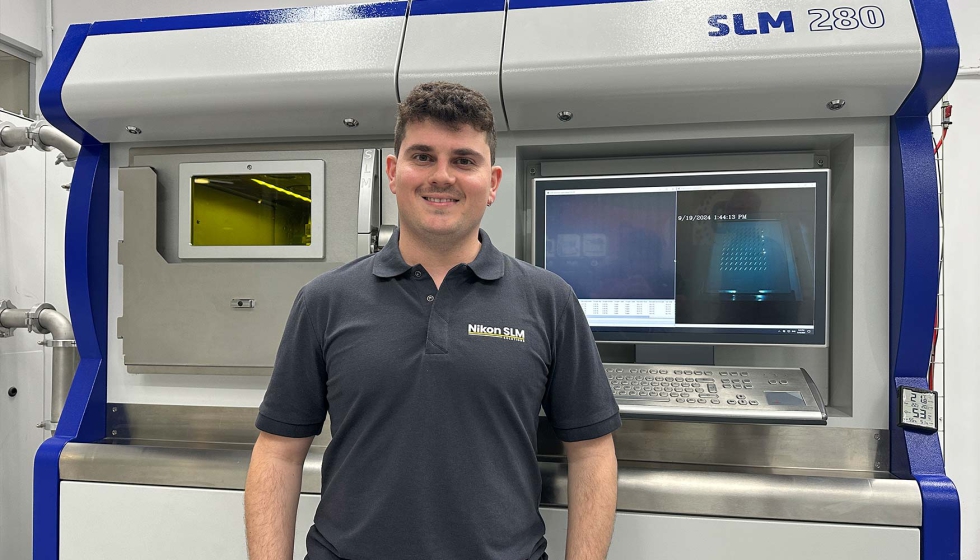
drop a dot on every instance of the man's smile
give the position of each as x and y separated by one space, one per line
440 200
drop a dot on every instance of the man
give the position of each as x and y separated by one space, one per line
434 358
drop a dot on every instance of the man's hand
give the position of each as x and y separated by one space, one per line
272 488
592 488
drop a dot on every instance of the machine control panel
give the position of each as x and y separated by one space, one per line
716 394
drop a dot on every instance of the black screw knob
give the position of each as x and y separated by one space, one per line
12 392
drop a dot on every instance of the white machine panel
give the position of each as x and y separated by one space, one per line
280 80
644 536
636 63
101 521
463 48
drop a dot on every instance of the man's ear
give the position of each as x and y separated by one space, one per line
496 172
390 163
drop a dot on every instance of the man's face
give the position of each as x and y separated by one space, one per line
442 179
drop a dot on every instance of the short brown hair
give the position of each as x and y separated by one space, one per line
450 104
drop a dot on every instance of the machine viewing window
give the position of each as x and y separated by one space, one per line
252 210
715 258
229 210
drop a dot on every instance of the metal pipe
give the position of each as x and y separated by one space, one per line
14 318
42 136
970 72
44 319
50 137
64 358
57 324
13 137
48 35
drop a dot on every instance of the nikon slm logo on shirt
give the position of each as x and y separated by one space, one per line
506 333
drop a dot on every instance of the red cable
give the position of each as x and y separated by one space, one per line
940 143
947 113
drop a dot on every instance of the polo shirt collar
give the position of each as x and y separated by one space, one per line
488 264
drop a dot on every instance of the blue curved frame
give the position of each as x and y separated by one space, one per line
86 270
914 276
914 241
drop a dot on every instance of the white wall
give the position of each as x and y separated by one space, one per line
960 382
23 20
31 228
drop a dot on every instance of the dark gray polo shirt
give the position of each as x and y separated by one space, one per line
434 398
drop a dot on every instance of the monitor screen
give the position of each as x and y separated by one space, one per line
714 258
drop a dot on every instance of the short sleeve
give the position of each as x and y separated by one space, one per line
295 404
579 401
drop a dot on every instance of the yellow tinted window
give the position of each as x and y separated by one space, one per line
260 209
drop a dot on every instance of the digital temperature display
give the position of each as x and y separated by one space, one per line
918 409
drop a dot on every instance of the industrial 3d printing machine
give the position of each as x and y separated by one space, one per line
742 195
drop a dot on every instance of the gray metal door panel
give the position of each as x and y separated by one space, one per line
177 315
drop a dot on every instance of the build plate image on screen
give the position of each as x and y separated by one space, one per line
722 258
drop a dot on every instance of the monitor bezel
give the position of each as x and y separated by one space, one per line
821 177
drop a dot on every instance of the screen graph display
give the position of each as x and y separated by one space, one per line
724 258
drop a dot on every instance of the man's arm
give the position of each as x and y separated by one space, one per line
272 489
592 488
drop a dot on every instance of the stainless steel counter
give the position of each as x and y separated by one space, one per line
801 473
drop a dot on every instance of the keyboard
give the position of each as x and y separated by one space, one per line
716 394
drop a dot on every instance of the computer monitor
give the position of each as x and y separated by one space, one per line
711 258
